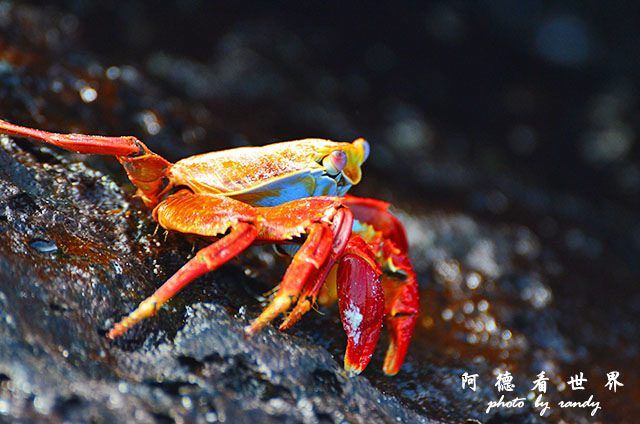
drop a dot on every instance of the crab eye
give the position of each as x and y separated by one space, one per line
335 162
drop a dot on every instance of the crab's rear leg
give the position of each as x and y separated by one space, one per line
205 215
147 170
92 144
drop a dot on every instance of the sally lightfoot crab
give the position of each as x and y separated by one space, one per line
289 193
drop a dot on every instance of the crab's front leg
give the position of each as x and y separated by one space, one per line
360 296
205 215
327 226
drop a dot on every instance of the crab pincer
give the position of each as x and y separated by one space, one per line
361 302
384 233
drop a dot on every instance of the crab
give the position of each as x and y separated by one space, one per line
292 194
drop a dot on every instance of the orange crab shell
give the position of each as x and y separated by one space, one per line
273 174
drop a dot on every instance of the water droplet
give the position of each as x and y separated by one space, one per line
43 246
150 121
56 86
447 314
473 280
506 334
187 403
123 387
88 94
483 305
113 73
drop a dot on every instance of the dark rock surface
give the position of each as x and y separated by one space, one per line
506 136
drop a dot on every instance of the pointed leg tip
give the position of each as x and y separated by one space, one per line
301 308
253 328
395 356
116 331
286 324
277 306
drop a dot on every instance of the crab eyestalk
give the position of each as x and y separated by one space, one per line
335 162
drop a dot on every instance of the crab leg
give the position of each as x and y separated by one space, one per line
360 296
305 262
328 227
147 170
207 259
341 227
96 144
205 215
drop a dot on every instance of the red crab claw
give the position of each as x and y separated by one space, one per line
387 236
361 302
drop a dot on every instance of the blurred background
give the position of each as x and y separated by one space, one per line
505 134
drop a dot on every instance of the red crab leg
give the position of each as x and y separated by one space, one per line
360 298
361 302
204 215
323 240
305 262
147 170
342 223
360 295
119 146
207 259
